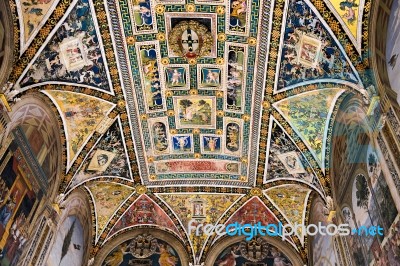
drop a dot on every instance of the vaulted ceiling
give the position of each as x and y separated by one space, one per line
229 103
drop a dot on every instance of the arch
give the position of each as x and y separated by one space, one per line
77 215
350 138
163 239
321 248
35 117
281 247
6 41
378 28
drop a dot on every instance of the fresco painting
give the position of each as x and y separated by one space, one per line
182 143
285 160
209 77
195 111
73 54
210 143
159 133
18 196
34 13
348 11
255 252
235 77
309 52
81 115
291 200
197 166
308 114
177 77
144 211
238 17
233 136
107 203
203 208
108 158
143 16
252 212
69 246
150 75
143 250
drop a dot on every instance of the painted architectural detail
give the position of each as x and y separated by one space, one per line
252 212
73 54
159 132
200 166
81 115
191 35
143 16
107 158
238 17
106 203
309 115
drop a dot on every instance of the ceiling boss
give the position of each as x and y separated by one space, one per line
190 39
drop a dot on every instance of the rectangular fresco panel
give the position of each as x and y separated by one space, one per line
233 129
235 77
195 111
159 134
149 58
209 77
143 16
237 19
203 166
177 77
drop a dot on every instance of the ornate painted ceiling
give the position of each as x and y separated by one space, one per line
166 104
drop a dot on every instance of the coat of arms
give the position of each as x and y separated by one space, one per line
190 39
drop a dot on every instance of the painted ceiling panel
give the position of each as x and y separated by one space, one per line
309 115
73 54
291 201
107 158
108 198
309 51
81 115
209 101
286 161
